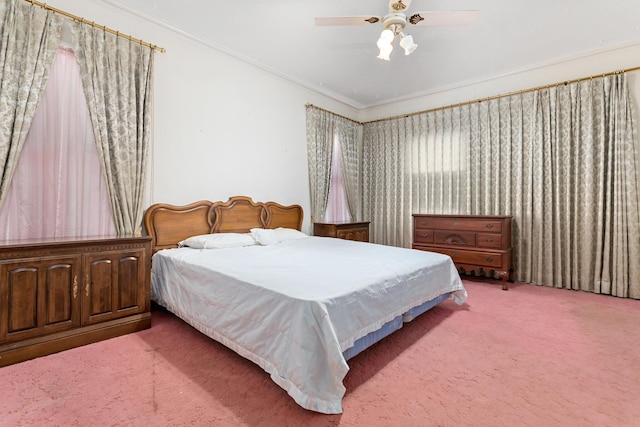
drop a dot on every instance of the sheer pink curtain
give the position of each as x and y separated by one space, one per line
58 189
337 207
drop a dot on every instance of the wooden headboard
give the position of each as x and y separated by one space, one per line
169 224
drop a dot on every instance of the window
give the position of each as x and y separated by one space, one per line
58 188
440 173
337 207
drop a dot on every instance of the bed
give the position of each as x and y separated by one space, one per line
299 306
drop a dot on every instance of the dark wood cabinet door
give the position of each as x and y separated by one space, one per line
57 294
38 296
113 285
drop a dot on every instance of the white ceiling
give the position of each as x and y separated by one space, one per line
507 36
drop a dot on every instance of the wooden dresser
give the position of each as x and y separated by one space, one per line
474 242
55 295
358 231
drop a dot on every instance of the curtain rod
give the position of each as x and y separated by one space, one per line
338 115
489 98
93 24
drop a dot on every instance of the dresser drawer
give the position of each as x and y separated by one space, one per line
455 223
423 236
486 240
454 238
463 256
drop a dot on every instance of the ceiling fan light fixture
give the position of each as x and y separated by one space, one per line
386 36
385 51
385 44
408 45
385 54
394 23
396 20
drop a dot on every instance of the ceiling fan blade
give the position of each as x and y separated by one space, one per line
443 18
399 5
347 20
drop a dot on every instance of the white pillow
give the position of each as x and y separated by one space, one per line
286 234
218 241
264 236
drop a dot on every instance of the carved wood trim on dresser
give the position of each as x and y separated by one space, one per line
63 293
474 242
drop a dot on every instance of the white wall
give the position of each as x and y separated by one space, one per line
222 127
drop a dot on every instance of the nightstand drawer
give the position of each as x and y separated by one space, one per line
354 233
358 231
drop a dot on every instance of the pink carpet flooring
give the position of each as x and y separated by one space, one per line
532 356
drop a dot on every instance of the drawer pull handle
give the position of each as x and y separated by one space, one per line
489 240
423 223
455 223
489 225
424 235
454 253
489 259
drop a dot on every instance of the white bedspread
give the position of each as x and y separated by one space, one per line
294 307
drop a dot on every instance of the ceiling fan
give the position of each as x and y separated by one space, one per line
395 20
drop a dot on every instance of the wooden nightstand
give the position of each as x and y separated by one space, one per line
358 231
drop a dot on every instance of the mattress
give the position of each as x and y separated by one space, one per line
295 307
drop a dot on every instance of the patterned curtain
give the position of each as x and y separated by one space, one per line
29 37
414 164
322 127
320 133
350 137
563 161
116 76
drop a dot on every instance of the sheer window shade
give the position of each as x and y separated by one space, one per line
337 206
